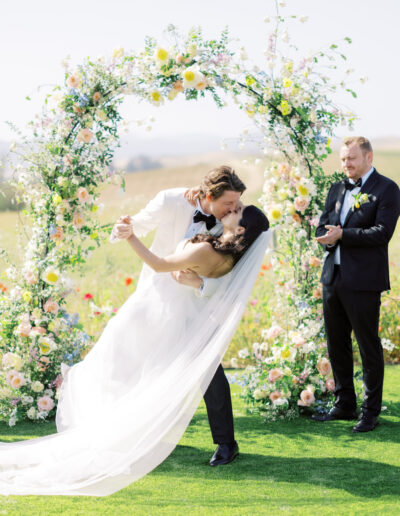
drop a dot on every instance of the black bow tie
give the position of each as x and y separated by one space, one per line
350 186
210 220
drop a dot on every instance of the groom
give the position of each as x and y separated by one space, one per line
355 228
176 219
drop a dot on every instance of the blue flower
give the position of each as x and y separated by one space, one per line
83 100
320 139
52 229
74 319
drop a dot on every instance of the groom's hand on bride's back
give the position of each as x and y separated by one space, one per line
192 195
188 278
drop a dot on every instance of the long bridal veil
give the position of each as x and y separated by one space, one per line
123 409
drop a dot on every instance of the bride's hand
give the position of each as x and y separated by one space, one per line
123 231
192 195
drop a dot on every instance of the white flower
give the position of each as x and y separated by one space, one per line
192 76
37 386
156 98
32 413
26 400
51 275
387 344
244 353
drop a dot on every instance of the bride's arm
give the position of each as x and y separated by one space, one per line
190 257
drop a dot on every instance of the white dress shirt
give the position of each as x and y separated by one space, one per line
200 227
348 202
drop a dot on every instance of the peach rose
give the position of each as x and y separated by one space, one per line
85 135
45 404
298 340
73 81
179 58
96 96
31 277
78 220
201 85
24 330
330 384
10 375
301 204
77 109
51 306
284 169
275 375
67 160
37 330
318 292
307 398
324 366
275 395
17 381
273 332
178 85
83 195
44 361
314 261
296 217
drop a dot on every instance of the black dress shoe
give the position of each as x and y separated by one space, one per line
367 423
335 414
224 454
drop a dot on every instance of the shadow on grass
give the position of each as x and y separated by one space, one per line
357 476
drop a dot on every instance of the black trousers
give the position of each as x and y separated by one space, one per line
219 408
346 310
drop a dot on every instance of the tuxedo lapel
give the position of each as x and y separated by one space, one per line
339 202
366 188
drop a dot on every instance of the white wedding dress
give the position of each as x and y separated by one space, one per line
123 409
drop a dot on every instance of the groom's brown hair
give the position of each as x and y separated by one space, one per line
219 180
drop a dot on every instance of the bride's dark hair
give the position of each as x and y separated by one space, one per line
254 223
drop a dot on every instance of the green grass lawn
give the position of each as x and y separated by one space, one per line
287 467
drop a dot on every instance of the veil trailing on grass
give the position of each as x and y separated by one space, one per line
123 409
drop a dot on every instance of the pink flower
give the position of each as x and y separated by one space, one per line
253 302
85 135
298 341
78 220
284 170
24 330
45 404
37 330
51 306
330 384
73 81
275 396
301 204
17 381
274 375
96 96
273 332
307 398
31 277
83 195
324 366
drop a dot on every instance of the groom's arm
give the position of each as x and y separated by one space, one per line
149 217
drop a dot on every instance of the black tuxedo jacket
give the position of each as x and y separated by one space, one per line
364 262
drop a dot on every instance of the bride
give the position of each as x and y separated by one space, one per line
123 409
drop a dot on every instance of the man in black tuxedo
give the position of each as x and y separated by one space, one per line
357 223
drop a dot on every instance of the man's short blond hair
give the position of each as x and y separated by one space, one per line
361 141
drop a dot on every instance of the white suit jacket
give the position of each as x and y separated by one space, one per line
171 214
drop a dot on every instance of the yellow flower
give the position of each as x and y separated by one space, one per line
156 98
275 213
57 199
287 83
285 353
263 109
282 195
328 142
94 208
51 276
285 108
94 235
102 115
188 75
250 80
27 296
357 205
302 190
172 94
289 66
118 52
161 55
44 348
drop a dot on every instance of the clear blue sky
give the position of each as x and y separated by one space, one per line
36 35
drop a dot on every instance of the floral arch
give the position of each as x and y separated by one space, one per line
67 157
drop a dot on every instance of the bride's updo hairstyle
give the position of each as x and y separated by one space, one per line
254 223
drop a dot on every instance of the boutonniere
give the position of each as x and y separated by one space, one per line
359 199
